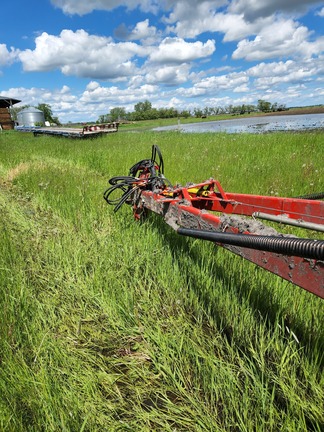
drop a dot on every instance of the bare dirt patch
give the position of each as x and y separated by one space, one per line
17 170
296 111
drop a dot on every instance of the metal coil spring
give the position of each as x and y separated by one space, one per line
305 248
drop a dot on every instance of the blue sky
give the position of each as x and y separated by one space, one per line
85 57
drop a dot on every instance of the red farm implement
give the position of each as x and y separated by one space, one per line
231 220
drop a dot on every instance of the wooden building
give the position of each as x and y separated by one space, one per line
6 121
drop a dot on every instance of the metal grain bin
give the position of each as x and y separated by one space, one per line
31 117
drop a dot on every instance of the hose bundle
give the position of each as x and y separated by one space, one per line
146 174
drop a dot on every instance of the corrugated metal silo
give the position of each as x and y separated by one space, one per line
31 117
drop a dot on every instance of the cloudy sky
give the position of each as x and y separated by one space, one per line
84 57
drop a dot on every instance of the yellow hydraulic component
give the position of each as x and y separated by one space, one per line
199 191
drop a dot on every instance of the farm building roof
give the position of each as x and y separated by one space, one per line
7 101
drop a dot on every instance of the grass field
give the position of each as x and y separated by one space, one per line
110 325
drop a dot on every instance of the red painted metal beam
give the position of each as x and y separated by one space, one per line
307 210
181 211
204 196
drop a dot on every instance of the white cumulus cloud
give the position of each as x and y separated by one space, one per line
78 53
217 84
232 25
281 39
82 7
60 99
142 31
177 50
271 69
321 12
254 9
169 75
97 94
7 57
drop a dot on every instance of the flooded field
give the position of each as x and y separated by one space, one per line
254 124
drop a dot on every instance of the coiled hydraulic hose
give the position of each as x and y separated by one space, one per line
128 185
314 196
305 248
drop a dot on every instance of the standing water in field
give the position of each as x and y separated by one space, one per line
254 124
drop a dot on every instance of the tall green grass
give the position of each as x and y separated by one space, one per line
110 325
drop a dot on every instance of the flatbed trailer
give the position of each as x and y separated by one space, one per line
86 132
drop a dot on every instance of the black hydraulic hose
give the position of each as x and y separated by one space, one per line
146 174
122 180
123 184
156 151
314 196
141 165
305 248
128 185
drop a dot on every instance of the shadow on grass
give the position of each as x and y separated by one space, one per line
264 305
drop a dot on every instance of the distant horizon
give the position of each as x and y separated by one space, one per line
215 115
192 116
84 58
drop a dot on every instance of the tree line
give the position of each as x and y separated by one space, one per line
145 111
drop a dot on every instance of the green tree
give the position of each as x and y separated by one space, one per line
117 113
282 107
236 109
103 118
48 114
229 109
250 108
198 112
206 111
185 113
274 107
263 105
141 107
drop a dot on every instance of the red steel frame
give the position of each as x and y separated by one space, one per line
190 207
